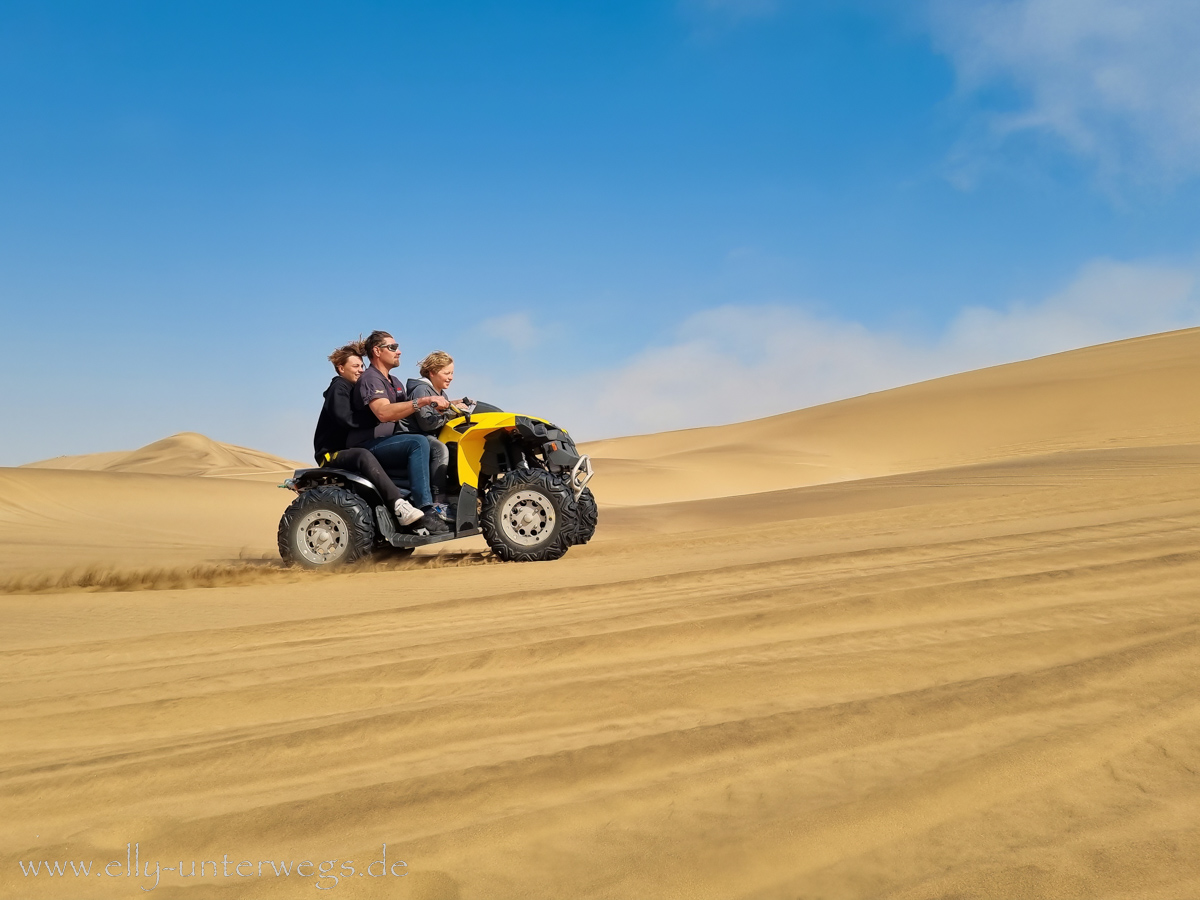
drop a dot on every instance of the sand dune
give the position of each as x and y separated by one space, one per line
1134 393
961 667
187 453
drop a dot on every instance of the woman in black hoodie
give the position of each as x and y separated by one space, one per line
335 423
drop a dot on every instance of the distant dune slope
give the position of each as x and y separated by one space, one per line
187 453
1135 393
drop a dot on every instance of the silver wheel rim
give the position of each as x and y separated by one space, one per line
323 536
527 518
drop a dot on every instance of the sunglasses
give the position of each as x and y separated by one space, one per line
391 347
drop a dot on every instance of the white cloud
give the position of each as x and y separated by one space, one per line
1105 302
736 363
1117 80
517 330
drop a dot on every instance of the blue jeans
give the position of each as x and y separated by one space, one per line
439 469
410 451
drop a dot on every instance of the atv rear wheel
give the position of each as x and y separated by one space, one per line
324 527
528 516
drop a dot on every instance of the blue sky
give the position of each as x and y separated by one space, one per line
624 216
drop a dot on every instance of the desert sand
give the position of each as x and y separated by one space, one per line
935 642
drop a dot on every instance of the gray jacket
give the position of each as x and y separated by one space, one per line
427 419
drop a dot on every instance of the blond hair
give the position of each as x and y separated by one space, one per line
436 360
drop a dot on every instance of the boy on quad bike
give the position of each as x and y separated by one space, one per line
437 373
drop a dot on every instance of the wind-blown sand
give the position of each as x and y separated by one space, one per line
962 667
178 501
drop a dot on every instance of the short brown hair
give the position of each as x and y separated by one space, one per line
436 360
375 339
341 355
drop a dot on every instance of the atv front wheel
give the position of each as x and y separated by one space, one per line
586 514
326 526
528 516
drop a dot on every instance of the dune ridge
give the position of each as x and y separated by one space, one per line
186 453
1133 393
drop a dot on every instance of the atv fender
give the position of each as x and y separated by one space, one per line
306 479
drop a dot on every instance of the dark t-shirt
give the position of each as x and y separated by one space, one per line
374 385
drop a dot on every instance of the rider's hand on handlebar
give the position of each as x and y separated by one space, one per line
440 402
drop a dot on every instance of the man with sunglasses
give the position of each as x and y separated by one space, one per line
380 396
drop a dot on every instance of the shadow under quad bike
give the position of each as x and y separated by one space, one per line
521 483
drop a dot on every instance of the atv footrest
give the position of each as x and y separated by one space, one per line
399 539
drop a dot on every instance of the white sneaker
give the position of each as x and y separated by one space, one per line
406 512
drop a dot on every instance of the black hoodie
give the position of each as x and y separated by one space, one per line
337 419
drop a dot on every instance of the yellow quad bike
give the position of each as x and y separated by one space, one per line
521 483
